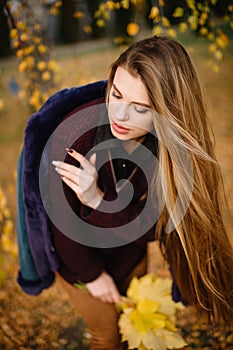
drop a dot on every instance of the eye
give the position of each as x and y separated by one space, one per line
140 110
114 94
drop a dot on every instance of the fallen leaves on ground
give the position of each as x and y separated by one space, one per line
49 321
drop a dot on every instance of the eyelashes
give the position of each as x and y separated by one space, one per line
136 108
116 96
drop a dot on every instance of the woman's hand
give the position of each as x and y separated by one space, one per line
104 288
83 181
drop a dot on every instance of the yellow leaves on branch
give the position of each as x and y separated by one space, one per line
157 30
88 29
42 49
40 73
193 22
179 12
165 22
125 4
132 29
13 33
110 5
41 65
46 76
105 8
222 40
21 26
27 64
35 99
149 320
154 13
6 227
183 27
54 9
100 23
215 48
78 14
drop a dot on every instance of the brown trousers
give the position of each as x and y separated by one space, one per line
100 317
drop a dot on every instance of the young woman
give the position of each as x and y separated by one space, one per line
154 100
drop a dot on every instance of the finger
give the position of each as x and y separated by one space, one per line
72 185
65 166
86 165
93 159
106 298
115 297
75 188
74 177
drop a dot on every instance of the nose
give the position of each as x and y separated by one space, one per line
121 111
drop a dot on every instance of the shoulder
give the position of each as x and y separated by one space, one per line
64 101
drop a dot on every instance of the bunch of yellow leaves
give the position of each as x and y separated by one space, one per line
147 320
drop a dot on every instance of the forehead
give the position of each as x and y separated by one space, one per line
130 87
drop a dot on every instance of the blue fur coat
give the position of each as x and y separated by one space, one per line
38 259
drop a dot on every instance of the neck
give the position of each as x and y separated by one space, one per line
131 145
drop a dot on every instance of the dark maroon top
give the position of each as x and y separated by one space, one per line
79 262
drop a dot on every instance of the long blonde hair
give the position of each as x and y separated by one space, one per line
190 229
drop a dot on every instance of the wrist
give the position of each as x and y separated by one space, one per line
97 200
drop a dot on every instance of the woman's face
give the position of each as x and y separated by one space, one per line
129 110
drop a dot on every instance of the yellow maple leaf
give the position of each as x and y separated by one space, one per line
132 29
78 14
13 33
154 12
151 341
156 289
147 306
157 30
110 5
128 331
183 27
42 49
142 322
41 65
222 41
137 340
179 12
100 23
125 4
151 312
166 22
172 33
173 340
218 55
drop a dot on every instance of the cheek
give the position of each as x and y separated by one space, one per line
145 123
111 110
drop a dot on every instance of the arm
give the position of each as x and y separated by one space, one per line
96 204
85 264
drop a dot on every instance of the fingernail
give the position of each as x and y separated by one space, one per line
56 162
58 170
69 150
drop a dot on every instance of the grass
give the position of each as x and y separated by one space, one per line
49 321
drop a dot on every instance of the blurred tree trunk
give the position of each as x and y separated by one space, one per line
4 32
68 32
92 6
221 7
118 23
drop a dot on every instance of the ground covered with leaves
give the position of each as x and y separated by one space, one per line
50 321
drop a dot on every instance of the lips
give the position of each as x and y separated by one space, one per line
119 128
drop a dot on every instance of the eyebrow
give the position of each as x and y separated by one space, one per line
137 103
